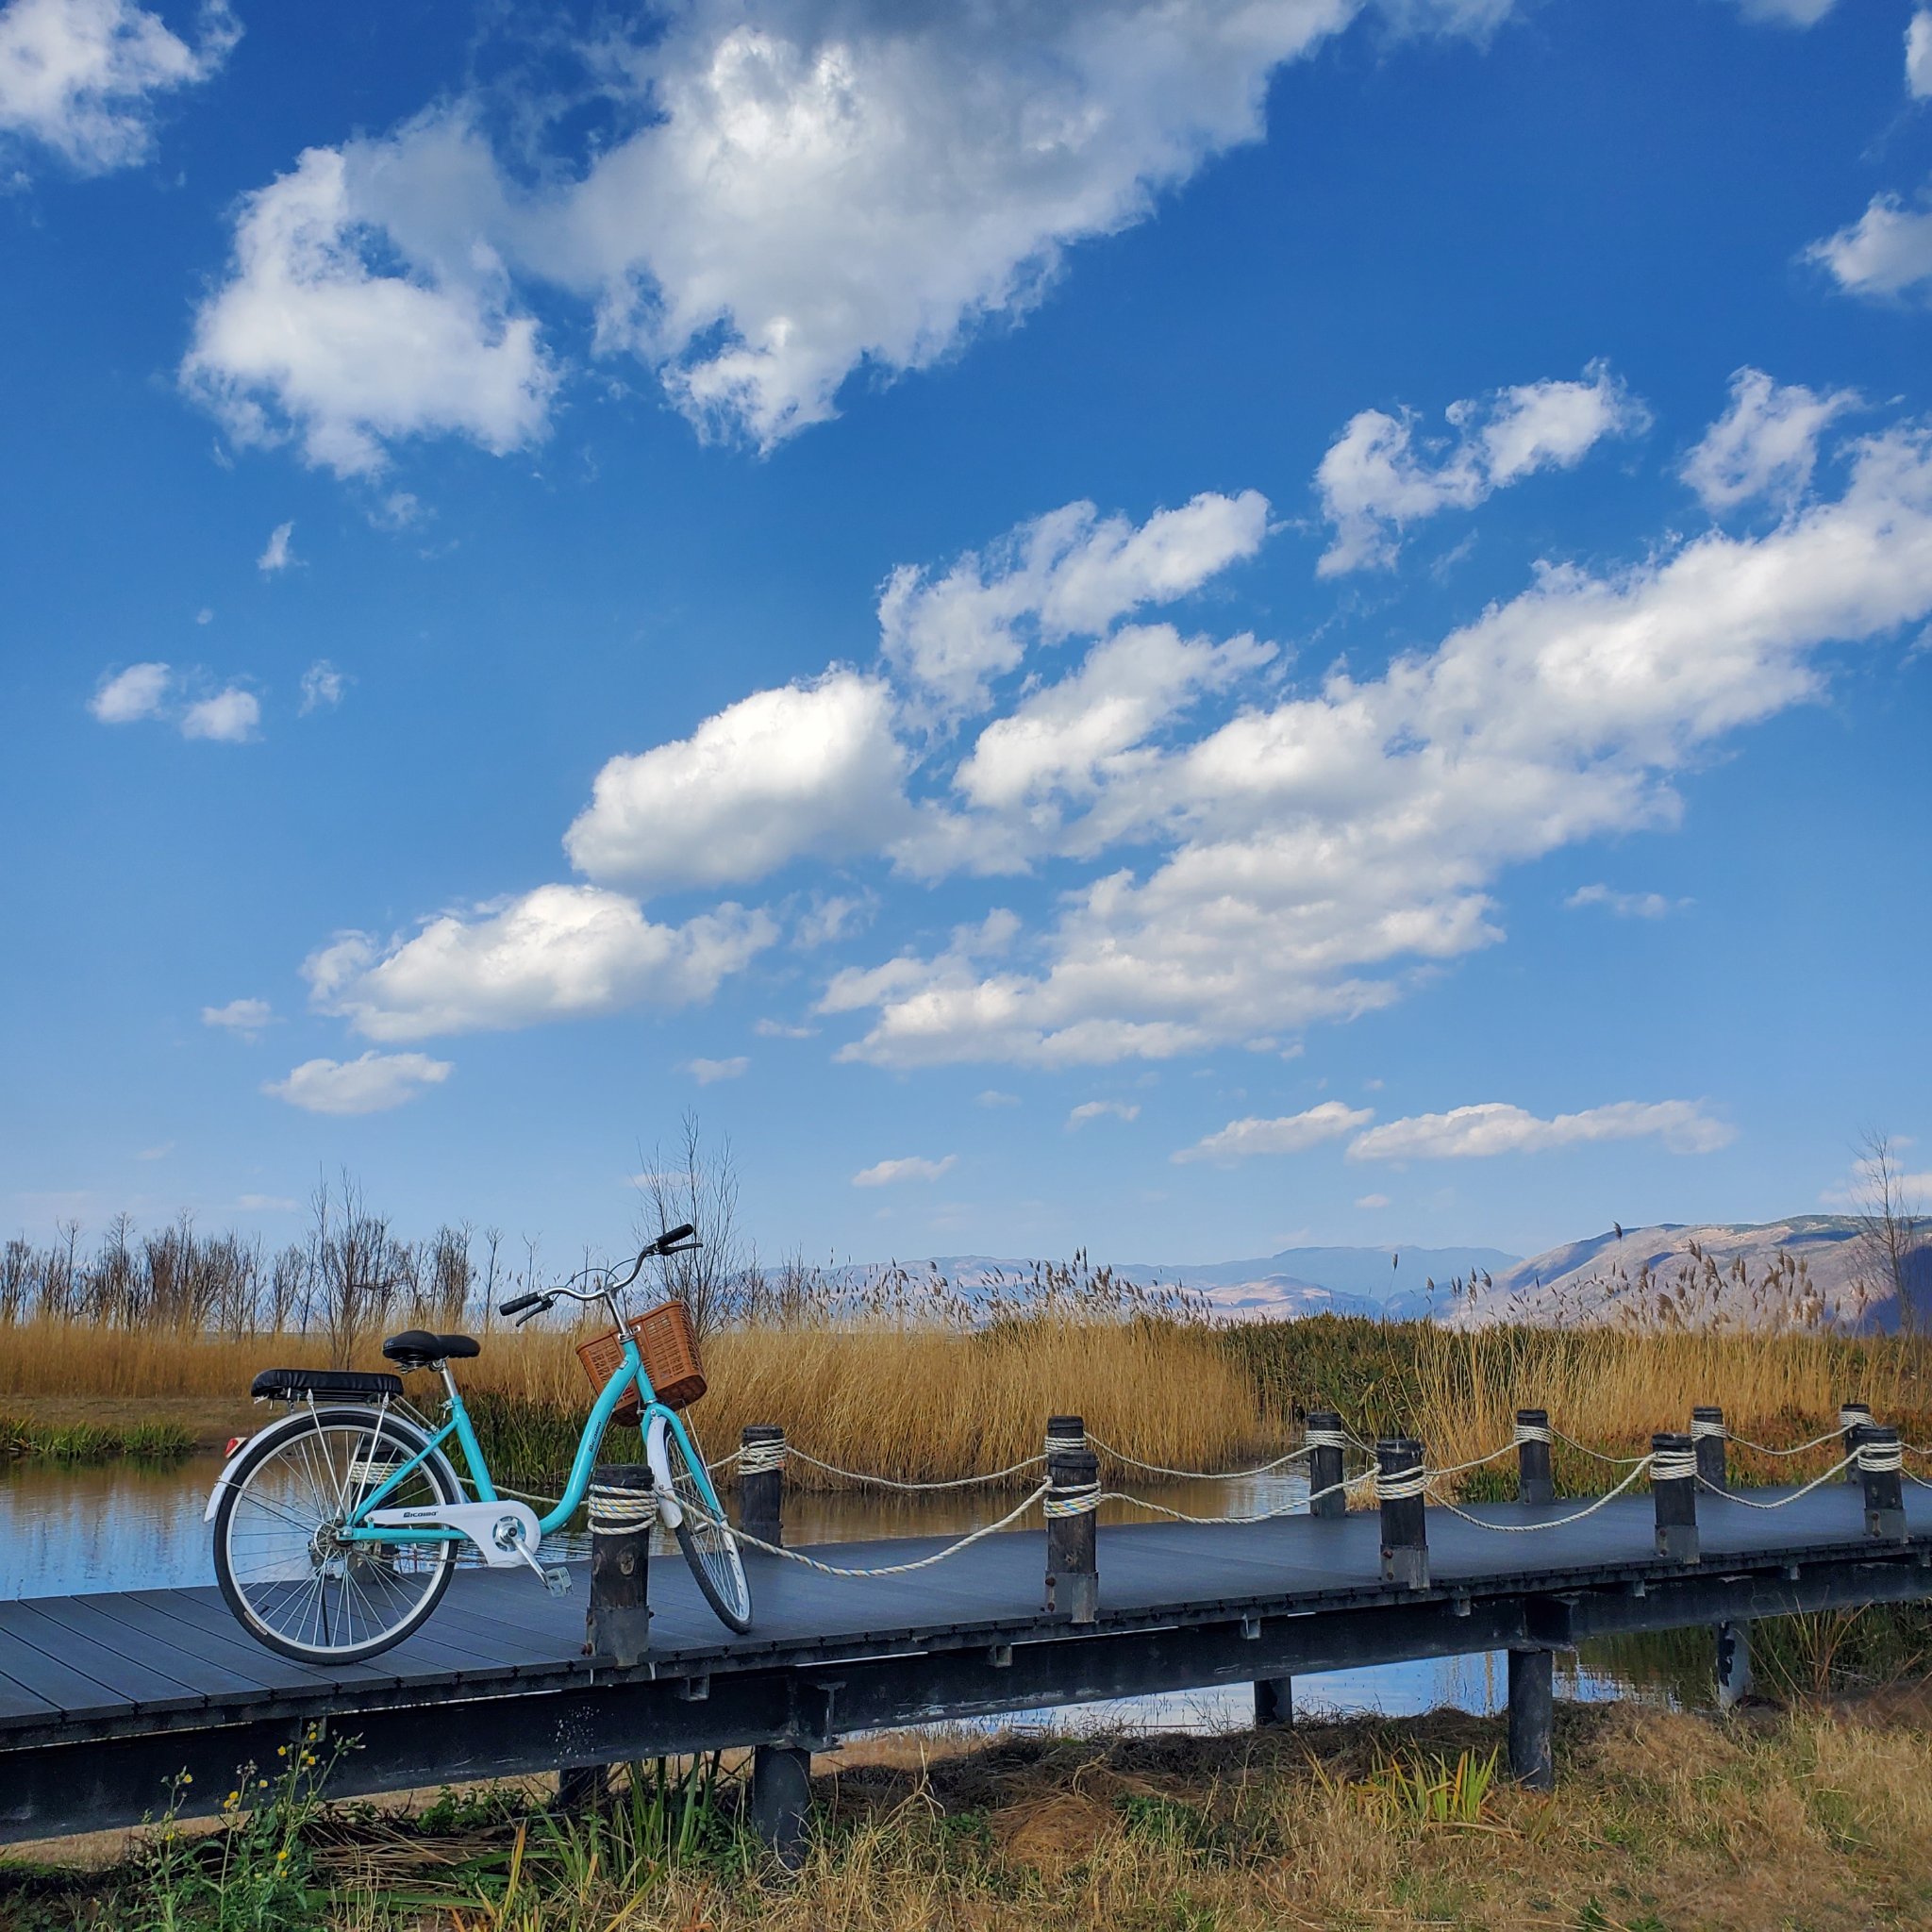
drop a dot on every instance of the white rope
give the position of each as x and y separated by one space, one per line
1534 1432
1673 1465
1703 1431
1817 1483
613 1510
1082 1501
1005 1522
1881 1458
1326 1438
1402 1485
1851 1414
1555 1522
1815 1443
1584 1449
762 1457
1210 1474
886 1482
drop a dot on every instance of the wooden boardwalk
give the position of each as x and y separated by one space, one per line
103 1698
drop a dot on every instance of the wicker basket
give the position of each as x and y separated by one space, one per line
669 1345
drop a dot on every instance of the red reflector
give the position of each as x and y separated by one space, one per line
234 1443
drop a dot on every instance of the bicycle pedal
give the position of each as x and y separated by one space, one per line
557 1580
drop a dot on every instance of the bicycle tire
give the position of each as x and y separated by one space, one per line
709 1545
278 1496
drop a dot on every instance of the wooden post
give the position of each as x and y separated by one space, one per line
1273 1702
1323 1433
1535 1480
1880 1464
1673 1488
1733 1663
781 1799
1072 1567
1065 1432
1532 1717
1707 1439
1405 1533
618 1622
761 1482
1850 1417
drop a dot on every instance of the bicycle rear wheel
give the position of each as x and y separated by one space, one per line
702 1532
291 1582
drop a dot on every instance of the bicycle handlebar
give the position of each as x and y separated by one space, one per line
517 1304
673 1240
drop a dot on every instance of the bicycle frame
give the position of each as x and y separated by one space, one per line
357 1529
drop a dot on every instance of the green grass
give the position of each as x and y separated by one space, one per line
146 1442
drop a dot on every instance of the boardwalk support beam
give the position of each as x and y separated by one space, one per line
781 1799
1535 1480
761 1482
1273 1702
1532 1717
1733 1662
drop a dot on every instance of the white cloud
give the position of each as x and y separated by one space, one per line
1919 54
1624 905
557 952
1372 1201
244 1017
994 1097
126 696
1293 1133
1787 12
806 769
277 556
708 1072
1100 1109
227 717
1886 251
1316 849
372 1084
779 1029
1765 444
304 340
831 917
1494 1127
1070 572
808 189
322 686
159 1152
886 1173
1373 482
264 1203
79 75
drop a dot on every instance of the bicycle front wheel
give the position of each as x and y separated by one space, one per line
703 1534
291 1579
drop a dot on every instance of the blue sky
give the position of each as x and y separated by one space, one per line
1182 629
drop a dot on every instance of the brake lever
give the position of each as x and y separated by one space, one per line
524 1321
682 1248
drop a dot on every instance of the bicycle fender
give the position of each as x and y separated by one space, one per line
501 1531
283 1425
669 1512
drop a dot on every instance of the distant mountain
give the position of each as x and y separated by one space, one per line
1375 1283
1808 1271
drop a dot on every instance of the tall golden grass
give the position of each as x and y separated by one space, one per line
924 1404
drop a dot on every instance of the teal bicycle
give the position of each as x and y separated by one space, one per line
338 1527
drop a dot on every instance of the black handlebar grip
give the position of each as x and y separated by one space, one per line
672 1234
518 1303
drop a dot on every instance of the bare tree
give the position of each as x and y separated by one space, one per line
698 1185
357 1265
1892 1230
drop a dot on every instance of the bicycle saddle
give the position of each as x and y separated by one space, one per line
416 1348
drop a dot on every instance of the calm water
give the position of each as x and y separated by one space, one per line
121 1527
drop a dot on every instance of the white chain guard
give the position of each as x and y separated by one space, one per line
507 1533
